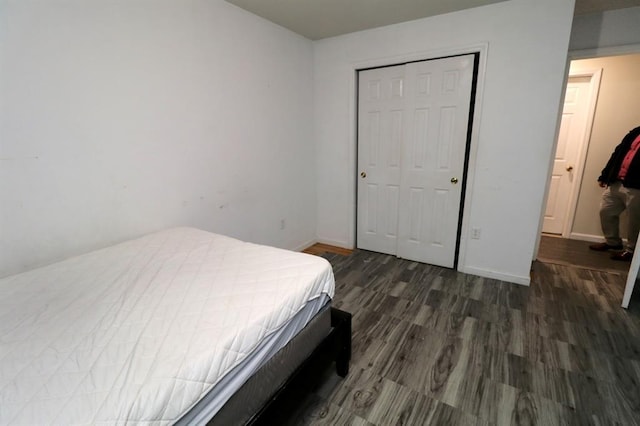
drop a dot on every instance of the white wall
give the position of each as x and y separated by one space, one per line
120 118
515 129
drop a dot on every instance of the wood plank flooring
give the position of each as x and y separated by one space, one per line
320 249
564 251
435 346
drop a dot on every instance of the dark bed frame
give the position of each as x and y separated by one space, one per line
335 347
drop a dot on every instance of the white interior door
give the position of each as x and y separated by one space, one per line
413 123
566 166
433 158
380 133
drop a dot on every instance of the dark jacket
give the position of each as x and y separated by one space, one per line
610 172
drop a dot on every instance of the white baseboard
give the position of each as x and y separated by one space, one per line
586 237
340 244
589 237
516 279
304 245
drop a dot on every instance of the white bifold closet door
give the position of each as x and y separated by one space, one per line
412 132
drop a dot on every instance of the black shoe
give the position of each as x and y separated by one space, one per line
625 256
604 247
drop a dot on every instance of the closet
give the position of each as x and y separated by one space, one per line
413 127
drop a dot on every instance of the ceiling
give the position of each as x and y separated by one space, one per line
317 19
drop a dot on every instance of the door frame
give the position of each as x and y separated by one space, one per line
595 77
481 49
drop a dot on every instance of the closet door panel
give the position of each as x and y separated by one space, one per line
437 103
381 125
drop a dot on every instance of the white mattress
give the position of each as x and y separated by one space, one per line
139 332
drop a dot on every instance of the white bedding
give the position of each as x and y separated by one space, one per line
139 332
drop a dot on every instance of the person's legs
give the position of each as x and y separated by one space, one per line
633 212
612 204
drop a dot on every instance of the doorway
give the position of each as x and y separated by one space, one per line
580 100
614 115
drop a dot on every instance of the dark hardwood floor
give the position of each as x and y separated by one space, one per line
435 346
563 251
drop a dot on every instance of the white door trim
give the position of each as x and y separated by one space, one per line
594 88
631 279
482 49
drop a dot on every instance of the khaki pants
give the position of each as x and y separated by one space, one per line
615 199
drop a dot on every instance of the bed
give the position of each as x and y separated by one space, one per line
181 326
